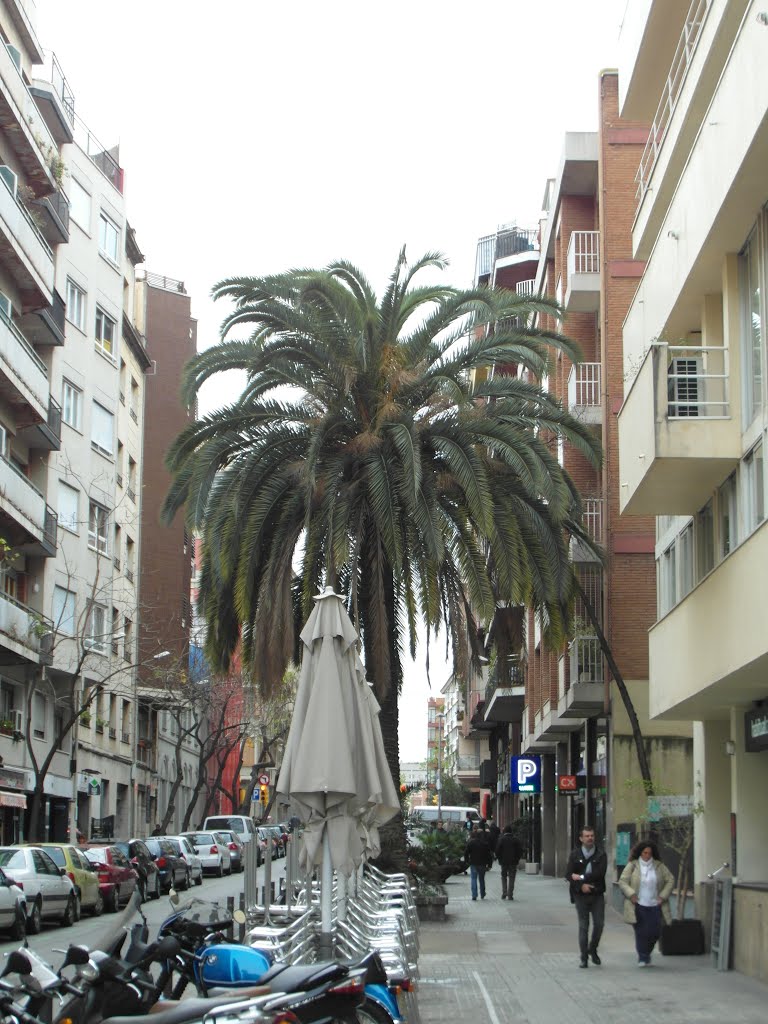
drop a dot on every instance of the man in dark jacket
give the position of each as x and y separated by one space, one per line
479 856
494 831
508 853
585 874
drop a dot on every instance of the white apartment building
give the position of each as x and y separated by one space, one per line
692 426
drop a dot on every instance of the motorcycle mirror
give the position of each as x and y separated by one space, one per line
239 916
17 963
173 896
76 955
168 948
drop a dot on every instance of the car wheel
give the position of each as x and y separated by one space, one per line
199 879
112 902
34 919
98 907
69 913
18 929
156 894
187 881
78 905
220 870
229 869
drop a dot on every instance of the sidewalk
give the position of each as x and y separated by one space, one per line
518 963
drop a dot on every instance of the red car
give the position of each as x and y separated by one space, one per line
117 879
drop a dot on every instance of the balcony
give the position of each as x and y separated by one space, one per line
582 693
25 635
24 128
526 289
584 397
45 435
55 99
23 375
53 217
25 505
505 247
582 293
24 251
677 438
106 160
592 524
45 326
549 725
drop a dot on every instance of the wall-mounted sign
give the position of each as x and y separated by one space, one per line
756 730
567 783
525 774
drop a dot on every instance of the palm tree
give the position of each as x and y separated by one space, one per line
374 446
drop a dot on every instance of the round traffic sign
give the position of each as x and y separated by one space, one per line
263 779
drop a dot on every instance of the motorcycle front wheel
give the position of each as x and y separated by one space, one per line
371 1013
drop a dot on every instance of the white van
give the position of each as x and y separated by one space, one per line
240 824
452 817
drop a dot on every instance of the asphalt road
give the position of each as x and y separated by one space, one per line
53 940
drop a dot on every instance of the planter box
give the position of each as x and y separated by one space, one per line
682 938
430 908
531 868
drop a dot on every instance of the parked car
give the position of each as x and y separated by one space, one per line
143 863
235 848
186 851
13 907
49 894
117 879
82 874
239 823
213 852
172 867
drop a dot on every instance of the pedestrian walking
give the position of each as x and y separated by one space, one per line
494 831
479 856
509 850
647 884
585 874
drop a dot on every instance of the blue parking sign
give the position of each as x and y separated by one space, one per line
525 774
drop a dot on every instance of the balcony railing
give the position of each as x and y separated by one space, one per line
129 575
26 626
586 660
22 365
104 159
125 737
51 72
468 763
584 253
526 289
584 385
673 85
168 284
697 381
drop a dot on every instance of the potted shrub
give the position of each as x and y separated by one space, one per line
6 726
438 856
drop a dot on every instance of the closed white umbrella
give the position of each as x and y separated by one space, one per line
334 769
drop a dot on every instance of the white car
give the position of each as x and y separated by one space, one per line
47 890
212 851
13 907
186 851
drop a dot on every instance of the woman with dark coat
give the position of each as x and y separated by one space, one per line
647 885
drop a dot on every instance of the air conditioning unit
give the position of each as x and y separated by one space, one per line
10 178
18 720
684 387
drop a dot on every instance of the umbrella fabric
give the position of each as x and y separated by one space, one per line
334 769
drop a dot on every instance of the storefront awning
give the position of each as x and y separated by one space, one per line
12 799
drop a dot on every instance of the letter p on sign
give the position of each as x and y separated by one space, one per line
525 769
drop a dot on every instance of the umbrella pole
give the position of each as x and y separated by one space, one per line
326 891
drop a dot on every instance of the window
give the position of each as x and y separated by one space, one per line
3 441
75 304
728 516
102 430
39 713
131 479
685 559
754 488
109 238
667 580
79 205
68 509
752 323
105 333
97 631
134 401
98 533
705 540
72 405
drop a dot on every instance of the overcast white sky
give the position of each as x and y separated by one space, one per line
258 136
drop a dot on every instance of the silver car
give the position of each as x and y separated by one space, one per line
13 907
186 851
48 891
212 850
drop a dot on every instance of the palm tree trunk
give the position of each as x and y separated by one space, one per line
637 734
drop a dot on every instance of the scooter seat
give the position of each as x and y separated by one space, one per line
301 977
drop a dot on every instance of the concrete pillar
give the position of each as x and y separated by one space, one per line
548 814
562 812
748 802
712 791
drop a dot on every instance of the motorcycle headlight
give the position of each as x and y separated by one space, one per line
89 971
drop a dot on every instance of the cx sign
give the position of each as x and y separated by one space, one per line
525 774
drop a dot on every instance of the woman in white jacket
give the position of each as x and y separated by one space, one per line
647 885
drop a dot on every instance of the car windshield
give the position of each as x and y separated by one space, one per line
175 844
154 846
231 823
12 859
199 838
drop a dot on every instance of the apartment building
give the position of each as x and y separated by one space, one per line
465 743
692 426
563 706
